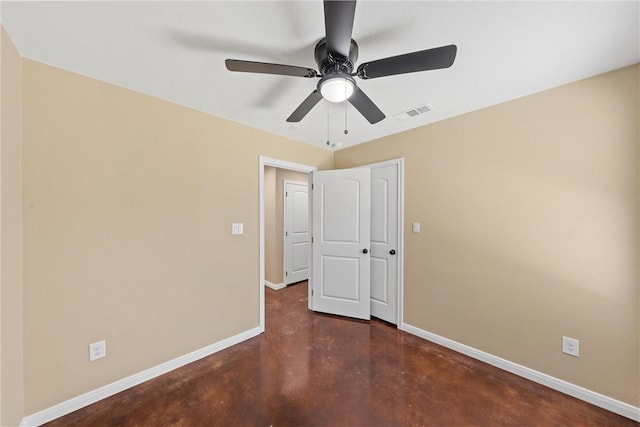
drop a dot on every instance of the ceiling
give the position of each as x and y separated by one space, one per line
175 50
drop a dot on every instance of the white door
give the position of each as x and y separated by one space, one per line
384 241
340 242
296 232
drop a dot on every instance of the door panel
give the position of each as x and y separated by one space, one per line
379 282
341 242
339 273
384 239
340 216
296 230
379 211
300 203
300 257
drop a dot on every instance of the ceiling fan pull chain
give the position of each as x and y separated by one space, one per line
346 130
328 107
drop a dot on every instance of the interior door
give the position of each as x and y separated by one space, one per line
384 242
296 232
340 246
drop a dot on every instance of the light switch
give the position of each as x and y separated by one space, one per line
416 227
237 228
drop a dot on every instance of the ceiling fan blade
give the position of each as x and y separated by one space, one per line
366 106
305 107
338 24
423 60
267 68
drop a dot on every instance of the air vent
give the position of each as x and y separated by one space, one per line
413 112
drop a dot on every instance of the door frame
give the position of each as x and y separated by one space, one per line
400 163
281 164
284 223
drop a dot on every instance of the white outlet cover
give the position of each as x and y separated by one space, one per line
416 227
571 346
97 350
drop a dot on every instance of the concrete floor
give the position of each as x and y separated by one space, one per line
310 369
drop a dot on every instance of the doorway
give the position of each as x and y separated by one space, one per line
296 239
281 164
286 222
357 251
265 163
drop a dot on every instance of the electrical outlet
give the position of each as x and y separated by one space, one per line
571 346
97 350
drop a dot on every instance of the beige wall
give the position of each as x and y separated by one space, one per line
274 233
530 229
128 203
11 346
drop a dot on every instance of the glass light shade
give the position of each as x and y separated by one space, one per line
337 89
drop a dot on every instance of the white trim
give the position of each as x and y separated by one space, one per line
400 163
310 281
562 386
401 241
273 286
282 164
93 396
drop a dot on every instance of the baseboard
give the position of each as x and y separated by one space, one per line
273 286
562 386
98 394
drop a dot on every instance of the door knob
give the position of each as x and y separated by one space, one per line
392 251
365 251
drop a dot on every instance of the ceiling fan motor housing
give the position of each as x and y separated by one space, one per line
329 64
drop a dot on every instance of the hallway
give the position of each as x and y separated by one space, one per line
310 369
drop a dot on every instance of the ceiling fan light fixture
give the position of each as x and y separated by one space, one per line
336 88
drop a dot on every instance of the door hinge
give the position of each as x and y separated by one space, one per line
286 194
311 292
311 239
286 273
312 186
286 233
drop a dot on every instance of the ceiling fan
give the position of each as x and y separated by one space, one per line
336 55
